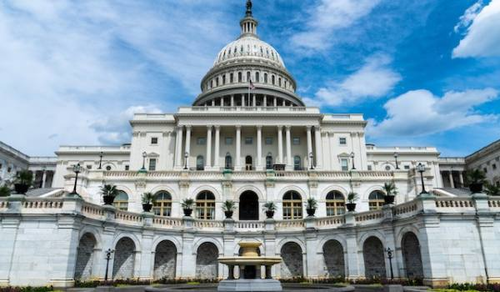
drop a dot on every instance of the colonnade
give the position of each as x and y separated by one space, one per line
182 160
247 100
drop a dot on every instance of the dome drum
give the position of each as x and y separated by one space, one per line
223 98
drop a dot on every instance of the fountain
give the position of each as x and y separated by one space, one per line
250 264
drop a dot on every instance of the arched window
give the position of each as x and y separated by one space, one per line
257 77
205 205
273 80
231 78
248 76
212 83
269 161
163 204
265 78
248 163
376 200
200 162
121 201
240 77
292 205
217 81
223 79
229 161
335 203
279 81
297 165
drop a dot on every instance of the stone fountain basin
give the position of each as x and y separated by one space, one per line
254 261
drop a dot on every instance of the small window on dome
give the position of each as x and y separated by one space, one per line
265 77
217 81
231 78
241 49
240 77
248 76
279 81
273 80
257 77
223 79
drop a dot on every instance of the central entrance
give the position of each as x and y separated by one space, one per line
249 206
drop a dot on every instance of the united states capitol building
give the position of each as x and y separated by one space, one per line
248 137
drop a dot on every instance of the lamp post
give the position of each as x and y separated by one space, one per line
311 157
144 155
352 158
396 158
389 256
186 156
421 169
100 160
76 169
109 252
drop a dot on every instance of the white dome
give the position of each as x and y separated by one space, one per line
249 49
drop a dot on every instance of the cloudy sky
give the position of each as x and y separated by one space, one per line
423 72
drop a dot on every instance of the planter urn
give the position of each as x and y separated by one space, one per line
188 212
476 188
351 207
269 214
310 212
229 214
108 200
21 188
147 207
388 200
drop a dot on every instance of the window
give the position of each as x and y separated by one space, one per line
9 169
248 76
296 141
152 164
163 204
387 167
265 77
89 167
1 165
228 161
370 167
273 80
344 163
216 81
407 167
376 200
297 165
269 161
229 140
201 141
257 77
485 170
248 163
494 166
335 203
343 141
200 162
231 78
154 140
108 168
269 140
240 77
205 206
292 206
248 140
121 201
127 167
223 79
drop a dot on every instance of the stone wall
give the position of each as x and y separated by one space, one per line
412 256
373 254
123 264
84 258
292 265
333 255
206 261
165 260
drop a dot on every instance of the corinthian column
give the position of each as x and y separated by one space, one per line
217 148
208 162
280 145
259 147
238 148
319 149
178 148
289 162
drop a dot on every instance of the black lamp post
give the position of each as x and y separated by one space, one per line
421 169
100 160
144 155
352 158
389 256
186 156
109 252
396 158
311 157
76 169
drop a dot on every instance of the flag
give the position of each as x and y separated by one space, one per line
251 87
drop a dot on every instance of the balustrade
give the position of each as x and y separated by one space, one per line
463 203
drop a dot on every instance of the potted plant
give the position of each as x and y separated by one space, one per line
109 192
491 190
148 200
270 208
390 193
228 207
311 206
187 206
351 199
476 178
23 181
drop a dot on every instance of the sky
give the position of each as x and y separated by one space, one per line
423 73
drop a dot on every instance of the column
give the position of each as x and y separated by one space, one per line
280 143
450 177
309 146
178 148
264 103
289 162
259 147
213 102
188 145
217 148
44 177
242 100
275 102
208 161
319 149
238 148
232 100
461 177
254 100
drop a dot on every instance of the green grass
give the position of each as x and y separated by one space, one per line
193 283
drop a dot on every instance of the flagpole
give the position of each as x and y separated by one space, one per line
249 92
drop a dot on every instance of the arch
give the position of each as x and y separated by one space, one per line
121 201
292 265
162 205
205 205
165 188
124 259
412 256
292 188
374 259
335 203
292 205
376 200
333 255
165 260
206 261
85 257
248 206
252 188
248 162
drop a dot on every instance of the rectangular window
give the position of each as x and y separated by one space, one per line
152 164
269 141
89 166
127 167
296 141
201 141
154 141
494 166
248 140
370 167
229 140
407 167
343 141
345 164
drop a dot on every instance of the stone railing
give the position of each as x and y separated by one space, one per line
369 217
330 222
167 222
35 204
407 209
456 204
249 225
494 203
289 224
92 211
128 217
4 205
208 224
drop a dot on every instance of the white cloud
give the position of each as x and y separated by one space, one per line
469 16
419 112
374 80
483 34
328 16
65 64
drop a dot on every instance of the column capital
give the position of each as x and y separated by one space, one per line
308 128
217 127
238 127
209 127
188 127
288 128
279 128
259 127
179 128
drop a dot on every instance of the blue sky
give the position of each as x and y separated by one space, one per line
424 73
